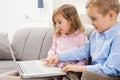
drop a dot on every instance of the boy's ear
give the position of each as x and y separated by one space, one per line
112 15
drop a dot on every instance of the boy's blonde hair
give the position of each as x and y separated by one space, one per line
69 12
104 6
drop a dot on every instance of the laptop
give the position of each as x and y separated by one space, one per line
34 68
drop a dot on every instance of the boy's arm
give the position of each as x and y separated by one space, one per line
75 53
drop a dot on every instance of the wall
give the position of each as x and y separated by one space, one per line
13 13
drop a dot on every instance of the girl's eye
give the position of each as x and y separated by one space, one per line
54 23
94 19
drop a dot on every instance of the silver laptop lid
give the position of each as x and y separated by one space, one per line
9 46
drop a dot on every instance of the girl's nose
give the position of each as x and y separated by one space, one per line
57 26
92 22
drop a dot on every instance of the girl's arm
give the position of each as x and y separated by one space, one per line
52 50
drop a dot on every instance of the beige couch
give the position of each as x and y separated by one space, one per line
30 44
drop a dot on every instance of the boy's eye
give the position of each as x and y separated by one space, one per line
59 22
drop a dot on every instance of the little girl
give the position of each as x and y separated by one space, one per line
68 32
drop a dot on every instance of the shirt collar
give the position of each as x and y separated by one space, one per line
73 34
108 33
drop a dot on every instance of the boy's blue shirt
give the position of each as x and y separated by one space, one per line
104 48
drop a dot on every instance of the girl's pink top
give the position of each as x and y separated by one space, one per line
66 42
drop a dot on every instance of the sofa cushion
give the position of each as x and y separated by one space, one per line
7 65
4 49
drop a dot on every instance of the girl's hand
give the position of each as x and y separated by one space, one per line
74 68
51 60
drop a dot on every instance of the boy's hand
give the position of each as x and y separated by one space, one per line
74 68
51 60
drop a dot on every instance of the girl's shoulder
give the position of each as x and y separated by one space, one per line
81 34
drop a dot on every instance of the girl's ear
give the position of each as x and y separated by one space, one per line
112 15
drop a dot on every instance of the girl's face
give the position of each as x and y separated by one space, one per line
62 25
100 22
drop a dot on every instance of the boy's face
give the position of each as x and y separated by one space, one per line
62 24
100 22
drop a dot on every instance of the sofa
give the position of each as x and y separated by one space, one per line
30 44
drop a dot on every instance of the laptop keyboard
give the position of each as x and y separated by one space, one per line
30 67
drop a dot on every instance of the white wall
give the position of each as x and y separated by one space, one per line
14 12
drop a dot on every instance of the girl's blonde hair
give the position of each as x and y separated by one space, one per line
104 6
69 12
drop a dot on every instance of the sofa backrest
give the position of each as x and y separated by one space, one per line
34 43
